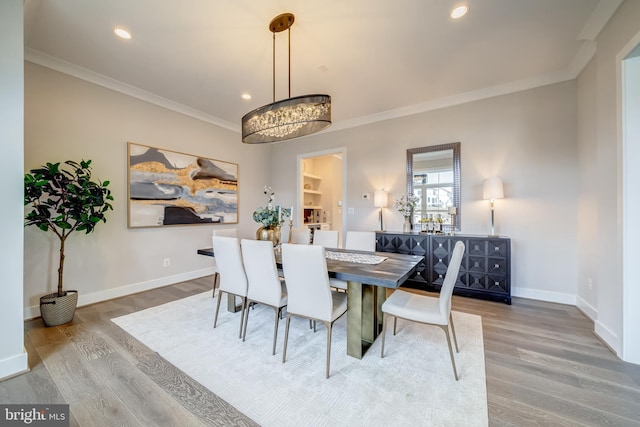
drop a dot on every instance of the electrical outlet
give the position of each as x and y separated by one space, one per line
166 262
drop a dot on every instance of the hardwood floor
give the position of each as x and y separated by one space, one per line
544 366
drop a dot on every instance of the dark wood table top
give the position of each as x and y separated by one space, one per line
390 273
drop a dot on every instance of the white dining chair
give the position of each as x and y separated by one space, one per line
326 238
425 309
361 241
233 279
300 236
265 287
309 294
226 232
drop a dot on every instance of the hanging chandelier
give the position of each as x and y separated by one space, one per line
288 118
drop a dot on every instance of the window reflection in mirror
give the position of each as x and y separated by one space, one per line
433 175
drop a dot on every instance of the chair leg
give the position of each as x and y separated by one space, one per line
215 319
275 329
244 307
314 326
453 329
329 326
385 319
286 338
395 323
216 283
445 328
246 320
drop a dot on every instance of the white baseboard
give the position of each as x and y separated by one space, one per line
608 337
14 365
549 296
586 308
92 298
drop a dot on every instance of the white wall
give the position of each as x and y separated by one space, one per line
13 358
527 138
588 224
604 260
67 118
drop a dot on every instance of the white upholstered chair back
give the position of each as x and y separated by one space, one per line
229 261
262 272
326 238
305 270
361 241
226 232
301 236
450 280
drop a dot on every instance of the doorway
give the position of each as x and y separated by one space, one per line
321 190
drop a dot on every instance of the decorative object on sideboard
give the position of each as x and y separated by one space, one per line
64 199
271 217
288 118
492 190
380 200
406 204
453 211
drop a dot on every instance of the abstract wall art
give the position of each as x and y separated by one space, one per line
170 188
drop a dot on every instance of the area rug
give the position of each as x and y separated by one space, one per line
413 385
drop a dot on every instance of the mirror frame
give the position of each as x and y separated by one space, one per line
455 146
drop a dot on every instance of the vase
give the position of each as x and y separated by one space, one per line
58 310
406 227
270 232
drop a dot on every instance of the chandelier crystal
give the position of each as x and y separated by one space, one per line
289 118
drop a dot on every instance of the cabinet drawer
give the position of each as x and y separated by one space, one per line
401 244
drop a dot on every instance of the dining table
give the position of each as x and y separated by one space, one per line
368 275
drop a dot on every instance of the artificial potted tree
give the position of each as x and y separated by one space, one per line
64 199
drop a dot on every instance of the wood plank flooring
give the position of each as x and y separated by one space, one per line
544 367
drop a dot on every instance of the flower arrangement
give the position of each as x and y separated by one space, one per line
270 215
406 204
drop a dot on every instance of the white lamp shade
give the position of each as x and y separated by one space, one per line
492 189
380 199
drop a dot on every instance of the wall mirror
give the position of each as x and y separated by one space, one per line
433 175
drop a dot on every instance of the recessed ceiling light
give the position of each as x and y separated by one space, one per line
459 11
246 96
122 33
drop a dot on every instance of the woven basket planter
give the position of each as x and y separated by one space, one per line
57 310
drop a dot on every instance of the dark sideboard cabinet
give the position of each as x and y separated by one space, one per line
485 271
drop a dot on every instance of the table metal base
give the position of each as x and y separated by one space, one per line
364 316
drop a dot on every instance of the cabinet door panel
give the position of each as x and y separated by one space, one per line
498 248
476 264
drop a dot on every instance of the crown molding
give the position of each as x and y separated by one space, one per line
583 56
598 19
56 64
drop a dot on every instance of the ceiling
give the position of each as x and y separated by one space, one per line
376 58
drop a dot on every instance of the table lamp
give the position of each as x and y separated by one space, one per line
380 200
492 190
